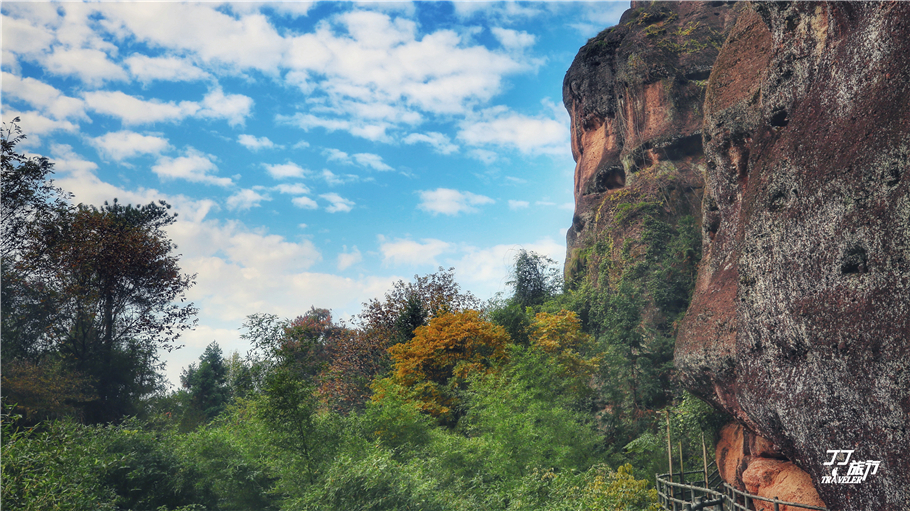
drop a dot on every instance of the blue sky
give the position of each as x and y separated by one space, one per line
315 152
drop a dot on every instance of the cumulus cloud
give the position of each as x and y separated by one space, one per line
254 144
133 110
447 201
333 179
169 69
245 199
47 99
485 269
91 65
38 124
365 160
347 259
440 143
194 166
376 70
234 108
337 203
499 126
246 41
409 252
286 170
304 203
518 204
292 189
121 145
373 161
513 40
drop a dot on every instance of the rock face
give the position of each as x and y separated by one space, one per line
800 321
752 463
634 94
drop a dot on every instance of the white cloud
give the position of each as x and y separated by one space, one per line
120 145
366 160
513 40
530 135
333 179
450 202
42 96
409 252
194 166
292 189
234 108
304 203
254 144
438 141
518 204
133 110
286 170
337 155
35 124
246 41
338 204
371 131
169 69
66 160
347 259
378 75
484 155
245 199
486 270
92 66
373 161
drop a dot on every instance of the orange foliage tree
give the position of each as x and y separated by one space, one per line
442 355
359 355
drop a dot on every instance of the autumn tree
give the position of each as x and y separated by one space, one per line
443 355
360 354
87 291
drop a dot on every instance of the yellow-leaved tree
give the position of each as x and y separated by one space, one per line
560 336
441 357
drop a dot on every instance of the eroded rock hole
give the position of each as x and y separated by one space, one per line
606 179
779 119
854 260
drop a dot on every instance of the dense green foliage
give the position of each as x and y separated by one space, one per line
547 399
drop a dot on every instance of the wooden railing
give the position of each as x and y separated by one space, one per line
675 494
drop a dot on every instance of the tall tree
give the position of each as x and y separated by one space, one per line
534 278
117 285
207 383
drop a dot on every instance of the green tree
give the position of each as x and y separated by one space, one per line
534 278
118 285
206 383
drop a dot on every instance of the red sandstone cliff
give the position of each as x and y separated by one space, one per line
800 322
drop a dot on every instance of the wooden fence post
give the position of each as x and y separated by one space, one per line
670 459
704 457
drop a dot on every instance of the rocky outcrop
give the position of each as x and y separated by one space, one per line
635 94
800 321
755 465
